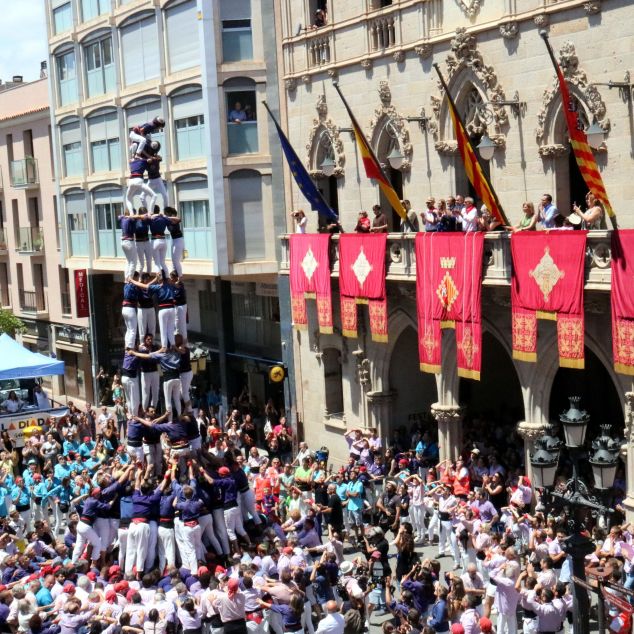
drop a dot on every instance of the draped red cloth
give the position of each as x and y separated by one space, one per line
623 301
448 295
547 283
362 281
310 278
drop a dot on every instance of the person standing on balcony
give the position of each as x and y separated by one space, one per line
469 215
379 223
140 135
154 179
237 115
175 228
430 216
129 311
548 212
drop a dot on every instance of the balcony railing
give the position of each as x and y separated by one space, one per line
24 173
382 33
401 259
32 301
318 51
30 240
242 137
66 304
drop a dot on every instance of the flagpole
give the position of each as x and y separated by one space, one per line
356 126
477 158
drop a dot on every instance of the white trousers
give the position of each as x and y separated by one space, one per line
172 392
178 248
86 534
507 623
136 549
139 140
144 254
220 528
417 516
150 385
154 457
186 382
246 502
136 187
207 535
131 389
122 535
159 252
136 453
233 521
189 546
146 322
129 314
102 526
129 250
181 321
166 547
150 558
167 320
157 185
434 525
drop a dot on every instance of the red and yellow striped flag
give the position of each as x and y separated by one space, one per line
372 166
578 140
483 188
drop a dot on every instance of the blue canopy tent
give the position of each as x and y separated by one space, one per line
18 362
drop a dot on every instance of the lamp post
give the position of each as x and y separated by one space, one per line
328 166
486 147
576 497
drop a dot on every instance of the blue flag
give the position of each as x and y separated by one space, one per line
302 178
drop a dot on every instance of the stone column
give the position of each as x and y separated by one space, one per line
379 411
529 433
449 418
627 454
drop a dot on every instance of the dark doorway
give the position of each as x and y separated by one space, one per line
463 184
328 189
577 186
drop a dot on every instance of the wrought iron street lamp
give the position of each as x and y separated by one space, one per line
605 459
396 158
328 166
486 147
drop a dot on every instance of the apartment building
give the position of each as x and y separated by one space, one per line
34 284
118 63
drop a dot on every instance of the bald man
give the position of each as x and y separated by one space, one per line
333 622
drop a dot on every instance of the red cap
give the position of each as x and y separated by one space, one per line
68 587
403 462
202 571
287 550
485 624
95 492
37 476
363 469
130 594
376 555
86 438
2 588
456 628
121 586
224 471
111 595
219 571
114 570
92 575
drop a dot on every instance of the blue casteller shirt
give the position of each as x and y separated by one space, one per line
137 168
164 293
131 294
189 509
142 503
180 296
127 227
158 224
142 230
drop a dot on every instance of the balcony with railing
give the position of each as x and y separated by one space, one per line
33 302
30 240
318 50
24 173
496 271
242 138
382 33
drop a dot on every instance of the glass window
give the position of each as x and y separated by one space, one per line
141 58
105 145
193 204
195 214
182 36
63 18
108 205
189 137
77 223
242 127
100 73
247 215
92 8
67 78
237 42
72 155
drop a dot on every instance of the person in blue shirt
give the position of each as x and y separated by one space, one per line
162 289
29 473
71 444
127 222
21 497
158 225
60 496
354 494
43 596
142 241
428 450
548 212
41 486
141 135
439 618
62 470
86 447
92 462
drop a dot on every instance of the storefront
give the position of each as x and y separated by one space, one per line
72 345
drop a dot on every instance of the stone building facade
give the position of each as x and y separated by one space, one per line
382 55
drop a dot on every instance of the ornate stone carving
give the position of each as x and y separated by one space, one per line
323 125
629 417
541 20
600 255
333 73
291 84
470 7
593 7
581 89
306 79
554 149
530 431
464 56
424 50
366 63
387 111
448 148
399 57
510 30
447 413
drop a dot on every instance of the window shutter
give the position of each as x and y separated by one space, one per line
235 10
132 46
193 190
70 133
75 203
187 105
182 36
108 196
247 215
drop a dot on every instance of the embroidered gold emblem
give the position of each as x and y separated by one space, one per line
546 274
447 291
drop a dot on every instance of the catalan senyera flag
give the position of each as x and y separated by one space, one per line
579 142
372 166
475 173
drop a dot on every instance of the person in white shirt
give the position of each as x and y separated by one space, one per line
41 398
300 221
333 622
469 215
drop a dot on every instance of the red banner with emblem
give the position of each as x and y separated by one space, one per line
82 301
623 301
362 281
448 295
310 279
547 283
